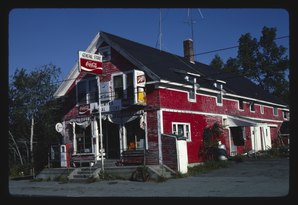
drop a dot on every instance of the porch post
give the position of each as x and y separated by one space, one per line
74 138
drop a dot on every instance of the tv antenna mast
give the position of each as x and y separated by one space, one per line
191 22
158 42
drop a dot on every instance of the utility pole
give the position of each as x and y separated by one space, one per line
100 126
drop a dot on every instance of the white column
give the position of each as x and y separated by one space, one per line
159 131
74 138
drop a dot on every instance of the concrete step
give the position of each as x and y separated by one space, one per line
54 173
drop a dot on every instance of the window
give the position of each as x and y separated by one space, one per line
129 87
252 106
105 52
83 137
93 91
192 93
219 98
118 86
87 91
275 112
181 129
285 114
82 92
262 109
240 104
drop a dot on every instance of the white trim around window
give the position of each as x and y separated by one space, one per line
262 109
275 111
180 128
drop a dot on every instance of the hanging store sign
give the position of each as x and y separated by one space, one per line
90 63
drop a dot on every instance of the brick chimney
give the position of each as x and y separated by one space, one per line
188 50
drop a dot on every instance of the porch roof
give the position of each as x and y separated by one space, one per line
237 121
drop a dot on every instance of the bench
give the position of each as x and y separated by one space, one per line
132 157
79 160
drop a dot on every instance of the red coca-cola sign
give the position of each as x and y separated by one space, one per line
84 109
89 62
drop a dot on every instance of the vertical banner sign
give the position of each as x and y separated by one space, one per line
140 86
90 63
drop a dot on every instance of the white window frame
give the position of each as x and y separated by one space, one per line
275 111
221 98
262 109
252 105
194 89
87 80
185 125
113 84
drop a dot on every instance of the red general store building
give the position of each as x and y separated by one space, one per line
149 97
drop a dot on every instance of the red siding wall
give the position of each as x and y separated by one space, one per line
178 100
197 125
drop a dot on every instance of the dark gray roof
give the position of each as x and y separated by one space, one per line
165 65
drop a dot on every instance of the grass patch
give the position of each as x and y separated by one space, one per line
207 166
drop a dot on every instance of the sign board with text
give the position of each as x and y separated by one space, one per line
90 63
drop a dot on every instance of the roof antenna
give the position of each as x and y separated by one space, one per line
191 22
160 33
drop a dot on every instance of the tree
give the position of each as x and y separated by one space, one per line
217 62
32 110
263 62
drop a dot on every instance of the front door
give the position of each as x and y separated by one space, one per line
111 140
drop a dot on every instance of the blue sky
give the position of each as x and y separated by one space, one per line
42 36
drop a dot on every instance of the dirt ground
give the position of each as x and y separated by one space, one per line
250 178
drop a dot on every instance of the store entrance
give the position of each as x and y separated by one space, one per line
111 140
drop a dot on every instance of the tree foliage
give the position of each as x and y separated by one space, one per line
31 95
262 61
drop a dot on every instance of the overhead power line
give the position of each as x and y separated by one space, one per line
231 47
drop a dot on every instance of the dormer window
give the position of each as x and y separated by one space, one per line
192 93
252 106
219 98
240 104
275 111
105 52
286 115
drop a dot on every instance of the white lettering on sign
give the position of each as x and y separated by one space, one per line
90 63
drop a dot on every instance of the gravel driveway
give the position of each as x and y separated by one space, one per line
251 178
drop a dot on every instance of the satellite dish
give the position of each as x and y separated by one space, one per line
59 127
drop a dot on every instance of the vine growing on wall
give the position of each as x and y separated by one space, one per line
211 136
